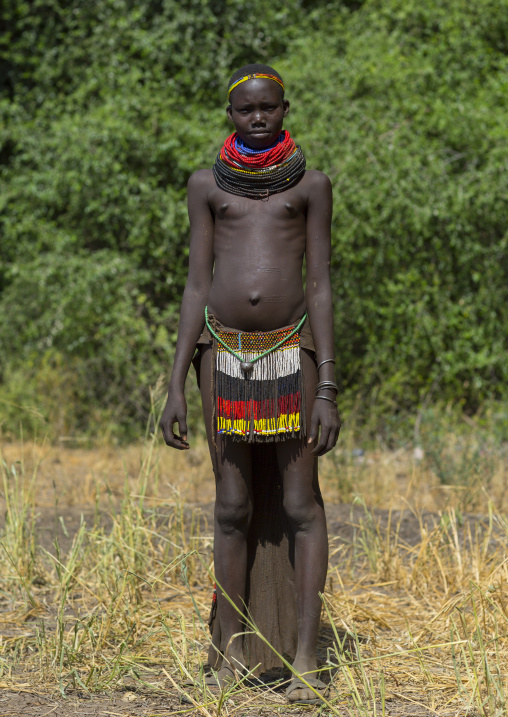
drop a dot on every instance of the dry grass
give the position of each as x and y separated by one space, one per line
408 623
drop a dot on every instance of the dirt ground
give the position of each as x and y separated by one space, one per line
77 485
61 523
127 704
133 705
130 704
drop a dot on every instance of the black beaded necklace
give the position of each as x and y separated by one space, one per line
241 178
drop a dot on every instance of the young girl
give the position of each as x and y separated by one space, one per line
265 345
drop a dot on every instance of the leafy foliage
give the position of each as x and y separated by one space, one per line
108 107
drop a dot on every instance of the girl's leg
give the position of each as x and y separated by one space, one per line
304 508
232 465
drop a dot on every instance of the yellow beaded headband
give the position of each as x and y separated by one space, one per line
255 76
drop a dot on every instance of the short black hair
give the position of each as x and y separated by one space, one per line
253 69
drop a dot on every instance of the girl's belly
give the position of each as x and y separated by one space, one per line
255 307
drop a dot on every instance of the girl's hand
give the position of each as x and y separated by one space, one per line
175 411
325 416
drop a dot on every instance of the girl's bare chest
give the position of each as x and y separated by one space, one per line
286 206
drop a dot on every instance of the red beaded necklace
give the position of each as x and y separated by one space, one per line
278 153
257 174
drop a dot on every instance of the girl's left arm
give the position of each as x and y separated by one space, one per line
318 295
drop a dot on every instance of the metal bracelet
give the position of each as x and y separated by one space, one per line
325 398
327 384
325 361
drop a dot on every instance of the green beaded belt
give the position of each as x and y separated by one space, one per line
247 366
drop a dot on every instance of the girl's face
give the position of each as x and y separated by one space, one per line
257 110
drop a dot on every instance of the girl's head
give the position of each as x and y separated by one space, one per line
257 106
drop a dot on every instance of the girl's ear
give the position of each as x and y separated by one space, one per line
285 104
229 113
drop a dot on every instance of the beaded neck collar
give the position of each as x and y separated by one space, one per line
256 174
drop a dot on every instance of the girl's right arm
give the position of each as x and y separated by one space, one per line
192 313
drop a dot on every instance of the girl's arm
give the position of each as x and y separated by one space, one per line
318 296
192 313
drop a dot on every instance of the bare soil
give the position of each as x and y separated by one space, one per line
58 525
72 483
131 704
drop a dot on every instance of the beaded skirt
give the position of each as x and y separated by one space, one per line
266 404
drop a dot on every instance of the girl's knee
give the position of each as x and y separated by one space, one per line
233 513
301 510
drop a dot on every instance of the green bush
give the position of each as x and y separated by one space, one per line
406 113
108 107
